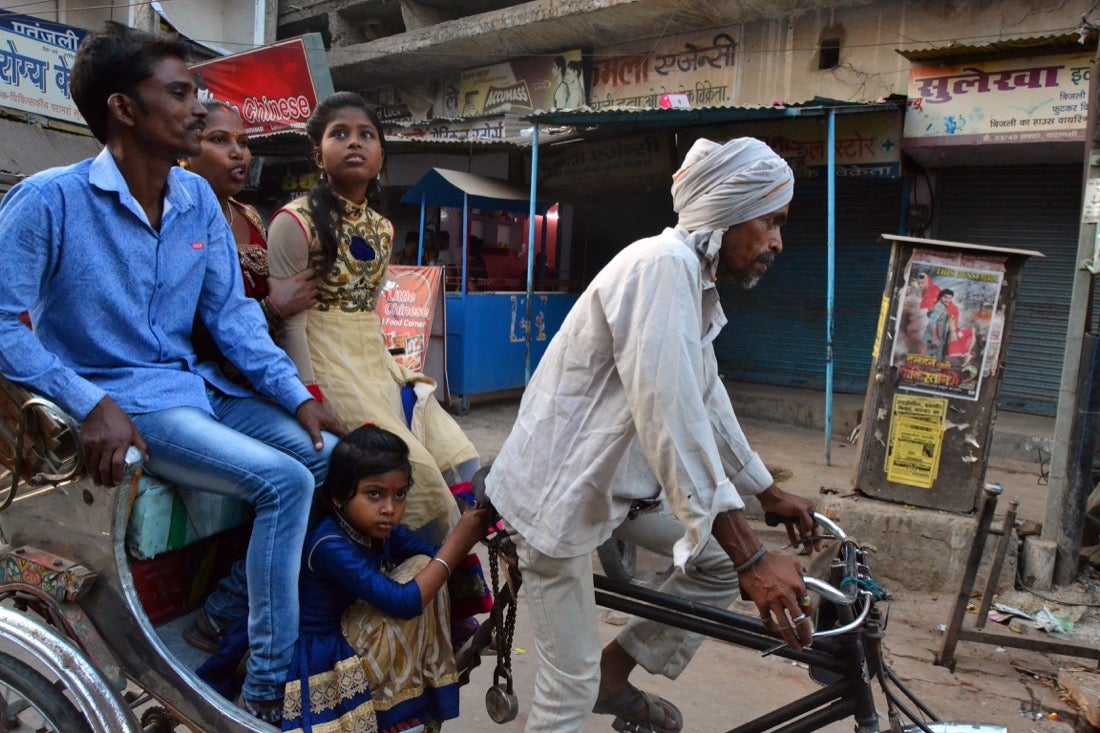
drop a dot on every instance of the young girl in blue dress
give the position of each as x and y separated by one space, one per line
403 677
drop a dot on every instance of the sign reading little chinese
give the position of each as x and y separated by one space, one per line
408 305
1039 99
35 59
698 65
274 88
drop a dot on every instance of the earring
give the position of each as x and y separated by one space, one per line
182 162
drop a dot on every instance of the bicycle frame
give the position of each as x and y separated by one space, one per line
847 654
113 641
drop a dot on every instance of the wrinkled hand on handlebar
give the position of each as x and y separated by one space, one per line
796 513
107 432
774 584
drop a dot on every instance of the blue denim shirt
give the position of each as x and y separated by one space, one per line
113 300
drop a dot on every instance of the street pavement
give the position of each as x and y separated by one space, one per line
726 685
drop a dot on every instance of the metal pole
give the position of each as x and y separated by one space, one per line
531 253
831 239
465 240
1064 499
946 655
423 216
998 563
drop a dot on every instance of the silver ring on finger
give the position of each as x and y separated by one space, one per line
798 619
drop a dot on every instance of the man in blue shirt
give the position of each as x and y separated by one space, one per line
114 257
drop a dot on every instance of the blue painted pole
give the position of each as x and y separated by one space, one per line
465 239
531 255
423 215
831 234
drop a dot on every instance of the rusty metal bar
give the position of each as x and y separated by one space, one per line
946 655
998 564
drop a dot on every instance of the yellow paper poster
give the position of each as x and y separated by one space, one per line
916 440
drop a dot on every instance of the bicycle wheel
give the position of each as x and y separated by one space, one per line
30 703
618 559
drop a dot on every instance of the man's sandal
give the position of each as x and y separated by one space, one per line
640 712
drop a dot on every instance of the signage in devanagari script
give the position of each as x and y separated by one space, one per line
1039 99
35 59
700 66
867 145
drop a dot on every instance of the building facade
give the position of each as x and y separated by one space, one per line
456 82
915 172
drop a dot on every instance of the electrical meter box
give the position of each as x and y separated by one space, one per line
938 359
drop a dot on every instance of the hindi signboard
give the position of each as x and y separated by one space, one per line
700 65
35 59
867 145
274 88
1040 99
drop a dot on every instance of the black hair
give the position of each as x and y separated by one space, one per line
366 451
114 60
577 66
559 61
946 291
326 208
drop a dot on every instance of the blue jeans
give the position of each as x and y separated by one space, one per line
255 451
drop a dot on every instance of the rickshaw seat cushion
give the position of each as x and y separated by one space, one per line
165 518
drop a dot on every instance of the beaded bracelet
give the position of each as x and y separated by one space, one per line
443 562
747 565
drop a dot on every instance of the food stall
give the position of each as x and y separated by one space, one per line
498 323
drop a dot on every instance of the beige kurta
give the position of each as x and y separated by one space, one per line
340 346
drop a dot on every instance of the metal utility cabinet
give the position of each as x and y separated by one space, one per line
938 360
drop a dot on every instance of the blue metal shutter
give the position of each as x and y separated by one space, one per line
776 334
1032 207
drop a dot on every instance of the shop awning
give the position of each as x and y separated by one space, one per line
450 188
1084 40
29 148
666 118
671 119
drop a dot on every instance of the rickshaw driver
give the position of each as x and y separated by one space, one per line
113 257
627 407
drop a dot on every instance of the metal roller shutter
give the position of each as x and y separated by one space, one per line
776 333
1033 207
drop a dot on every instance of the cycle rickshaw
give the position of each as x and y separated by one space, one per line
80 649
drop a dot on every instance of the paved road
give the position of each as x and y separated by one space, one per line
726 685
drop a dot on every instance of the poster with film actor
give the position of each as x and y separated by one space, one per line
947 339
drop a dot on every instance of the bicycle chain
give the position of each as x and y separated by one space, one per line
504 623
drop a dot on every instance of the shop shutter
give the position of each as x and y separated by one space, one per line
1029 207
776 334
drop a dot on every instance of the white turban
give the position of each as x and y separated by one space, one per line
720 185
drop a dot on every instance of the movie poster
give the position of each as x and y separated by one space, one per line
948 327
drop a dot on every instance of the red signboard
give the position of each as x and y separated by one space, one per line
273 88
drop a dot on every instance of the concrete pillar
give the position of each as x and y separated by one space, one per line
1037 562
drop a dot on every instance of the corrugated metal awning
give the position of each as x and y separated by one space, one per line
1064 42
657 118
29 148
